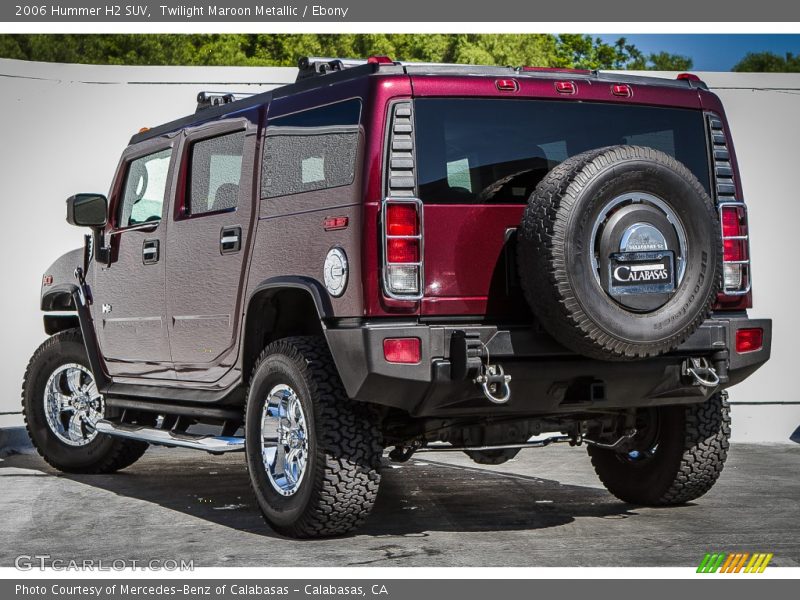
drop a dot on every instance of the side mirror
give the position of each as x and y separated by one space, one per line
87 210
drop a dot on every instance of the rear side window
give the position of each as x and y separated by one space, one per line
215 174
145 186
311 150
497 150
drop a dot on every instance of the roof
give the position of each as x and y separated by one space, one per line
313 73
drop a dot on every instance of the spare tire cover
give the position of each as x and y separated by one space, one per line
619 253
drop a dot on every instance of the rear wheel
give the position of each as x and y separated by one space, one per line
61 404
313 454
678 454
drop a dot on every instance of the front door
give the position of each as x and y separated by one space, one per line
206 247
129 293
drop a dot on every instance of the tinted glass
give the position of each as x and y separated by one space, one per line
216 171
311 150
486 150
145 185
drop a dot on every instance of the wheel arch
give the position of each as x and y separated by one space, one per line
281 307
59 298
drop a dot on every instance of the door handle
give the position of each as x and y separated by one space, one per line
230 240
150 252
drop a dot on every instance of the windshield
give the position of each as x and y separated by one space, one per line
497 150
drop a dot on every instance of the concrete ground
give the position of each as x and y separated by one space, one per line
545 508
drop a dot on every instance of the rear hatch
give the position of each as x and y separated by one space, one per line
480 155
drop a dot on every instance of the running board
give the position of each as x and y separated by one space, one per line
216 444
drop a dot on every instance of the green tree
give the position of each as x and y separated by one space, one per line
664 61
768 62
569 50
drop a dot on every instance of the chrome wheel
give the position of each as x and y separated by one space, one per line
72 404
284 435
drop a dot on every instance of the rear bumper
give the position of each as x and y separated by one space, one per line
546 378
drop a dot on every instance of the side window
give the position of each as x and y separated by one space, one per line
215 172
143 194
311 150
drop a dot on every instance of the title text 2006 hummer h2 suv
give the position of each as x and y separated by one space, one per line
416 257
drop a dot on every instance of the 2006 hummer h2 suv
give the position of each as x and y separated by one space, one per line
415 257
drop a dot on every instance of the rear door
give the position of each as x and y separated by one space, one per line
480 159
207 243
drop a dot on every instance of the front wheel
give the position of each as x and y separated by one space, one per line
678 454
313 454
61 405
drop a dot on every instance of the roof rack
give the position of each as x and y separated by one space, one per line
315 66
312 69
211 99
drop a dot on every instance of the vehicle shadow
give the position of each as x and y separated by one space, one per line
416 498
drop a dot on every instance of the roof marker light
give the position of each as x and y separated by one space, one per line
507 85
566 87
622 89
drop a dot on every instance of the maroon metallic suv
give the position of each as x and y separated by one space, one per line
415 257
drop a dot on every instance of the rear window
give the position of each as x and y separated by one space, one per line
491 150
311 150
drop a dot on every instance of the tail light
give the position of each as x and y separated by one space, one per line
402 248
402 350
735 248
749 340
732 216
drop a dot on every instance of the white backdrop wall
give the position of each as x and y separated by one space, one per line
62 128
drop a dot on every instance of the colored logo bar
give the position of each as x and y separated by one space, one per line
734 562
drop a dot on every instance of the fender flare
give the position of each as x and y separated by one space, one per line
318 294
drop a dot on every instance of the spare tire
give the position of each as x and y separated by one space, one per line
619 253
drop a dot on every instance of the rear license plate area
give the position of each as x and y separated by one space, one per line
641 272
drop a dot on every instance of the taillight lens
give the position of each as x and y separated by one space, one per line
749 340
735 255
401 219
402 350
403 249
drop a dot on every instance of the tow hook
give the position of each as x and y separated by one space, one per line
700 371
494 383
469 359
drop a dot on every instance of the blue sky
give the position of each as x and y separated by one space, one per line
714 52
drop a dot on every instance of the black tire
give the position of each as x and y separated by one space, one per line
556 247
342 472
692 445
492 457
103 454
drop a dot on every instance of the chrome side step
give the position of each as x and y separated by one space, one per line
216 444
